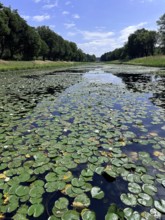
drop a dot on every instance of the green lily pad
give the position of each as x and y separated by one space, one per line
87 173
36 191
77 182
147 179
149 189
81 201
22 191
134 187
36 210
128 199
61 203
160 205
129 214
71 215
155 213
145 199
111 216
12 206
97 193
86 214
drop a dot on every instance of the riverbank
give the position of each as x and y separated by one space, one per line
152 61
36 64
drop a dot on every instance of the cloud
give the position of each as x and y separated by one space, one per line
76 16
26 17
49 6
65 12
52 26
99 42
95 35
71 34
69 25
124 33
98 47
40 18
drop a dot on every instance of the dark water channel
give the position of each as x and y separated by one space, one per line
87 135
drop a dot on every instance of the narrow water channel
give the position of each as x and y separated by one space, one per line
85 143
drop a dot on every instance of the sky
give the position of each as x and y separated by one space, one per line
96 26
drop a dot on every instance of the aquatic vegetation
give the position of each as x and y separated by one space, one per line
82 146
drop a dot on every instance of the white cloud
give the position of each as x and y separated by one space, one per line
26 17
69 25
95 35
124 33
52 26
40 18
71 34
65 12
99 42
76 16
49 6
98 47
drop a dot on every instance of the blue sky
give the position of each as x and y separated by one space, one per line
96 26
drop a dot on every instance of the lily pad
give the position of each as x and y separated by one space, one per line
36 210
128 199
81 201
22 191
134 187
61 203
71 215
160 205
97 193
145 199
86 214
149 189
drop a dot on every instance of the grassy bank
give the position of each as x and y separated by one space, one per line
153 61
37 64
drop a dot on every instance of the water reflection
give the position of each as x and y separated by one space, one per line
100 76
142 83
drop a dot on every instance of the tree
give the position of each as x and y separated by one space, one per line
161 34
44 49
17 27
4 30
32 44
141 43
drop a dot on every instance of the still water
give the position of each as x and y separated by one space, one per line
85 138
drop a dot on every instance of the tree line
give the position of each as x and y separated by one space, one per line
20 41
140 44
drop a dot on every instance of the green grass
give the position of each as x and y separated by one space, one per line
154 61
25 65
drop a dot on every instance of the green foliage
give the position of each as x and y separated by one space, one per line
161 37
141 43
20 41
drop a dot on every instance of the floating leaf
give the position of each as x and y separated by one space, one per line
81 201
97 193
111 216
160 205
134 188
149 189
128 199
86 214
36 210
61 203
145 199
22 191
71 215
